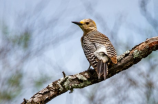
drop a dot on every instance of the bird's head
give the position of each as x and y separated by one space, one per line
86 25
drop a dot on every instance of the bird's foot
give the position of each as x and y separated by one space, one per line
89 68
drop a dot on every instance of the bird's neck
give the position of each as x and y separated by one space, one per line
85 32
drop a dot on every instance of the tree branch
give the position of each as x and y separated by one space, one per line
89 77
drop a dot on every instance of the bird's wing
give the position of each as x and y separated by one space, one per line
99 38
89 48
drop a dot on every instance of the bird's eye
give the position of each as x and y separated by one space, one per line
87 23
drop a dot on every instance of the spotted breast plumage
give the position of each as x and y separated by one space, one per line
97 47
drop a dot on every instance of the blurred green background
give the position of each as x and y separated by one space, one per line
38 42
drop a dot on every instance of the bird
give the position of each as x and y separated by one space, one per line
97 47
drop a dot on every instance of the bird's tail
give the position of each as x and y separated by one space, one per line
102 69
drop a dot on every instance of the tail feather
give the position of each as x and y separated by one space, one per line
105 70
99 69
102 69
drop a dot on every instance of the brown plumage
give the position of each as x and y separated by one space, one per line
97 47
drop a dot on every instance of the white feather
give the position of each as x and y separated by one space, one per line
98 53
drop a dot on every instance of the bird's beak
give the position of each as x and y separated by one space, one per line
77 23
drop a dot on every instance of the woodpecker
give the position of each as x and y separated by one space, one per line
97 47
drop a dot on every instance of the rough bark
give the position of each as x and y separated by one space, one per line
89 77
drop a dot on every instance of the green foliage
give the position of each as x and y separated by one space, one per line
38 83
5 30
22 40
11 84
13 87
15 79
4 95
